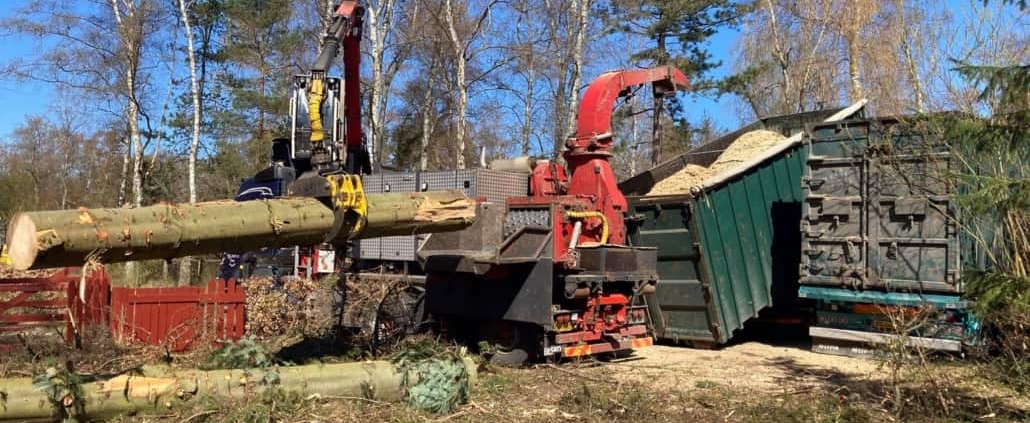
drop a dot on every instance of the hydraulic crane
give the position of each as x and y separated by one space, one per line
326 140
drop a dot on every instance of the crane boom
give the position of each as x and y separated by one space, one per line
344 30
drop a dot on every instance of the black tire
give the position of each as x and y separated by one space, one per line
400 314
524 345
515 357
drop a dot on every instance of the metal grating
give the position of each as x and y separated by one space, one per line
517 218
399 248
400 182
369 249
373 184
495 185
436 180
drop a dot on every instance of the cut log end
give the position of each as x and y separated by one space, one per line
22 242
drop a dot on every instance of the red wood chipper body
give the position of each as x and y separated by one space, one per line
551 274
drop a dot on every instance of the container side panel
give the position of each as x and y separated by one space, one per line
683 302
715 259
833 250
879 212
914 221
753 228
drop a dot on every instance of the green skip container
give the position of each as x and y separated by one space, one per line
729 248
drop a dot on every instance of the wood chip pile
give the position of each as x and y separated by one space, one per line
292 307
744 148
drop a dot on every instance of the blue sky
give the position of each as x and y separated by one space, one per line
24 98
19 99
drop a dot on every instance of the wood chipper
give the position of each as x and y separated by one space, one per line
551 274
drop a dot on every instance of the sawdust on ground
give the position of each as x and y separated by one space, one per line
752 366
742 149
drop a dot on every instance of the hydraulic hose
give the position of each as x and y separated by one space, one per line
592 214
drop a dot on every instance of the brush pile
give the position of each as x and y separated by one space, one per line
287 307
380 309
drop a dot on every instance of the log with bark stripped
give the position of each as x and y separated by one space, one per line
159 392
45 239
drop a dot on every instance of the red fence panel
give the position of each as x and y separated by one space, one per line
61 298
178 317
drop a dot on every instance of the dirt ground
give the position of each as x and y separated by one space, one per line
745 382
751 366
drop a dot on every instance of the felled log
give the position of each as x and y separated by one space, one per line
62 238
159 393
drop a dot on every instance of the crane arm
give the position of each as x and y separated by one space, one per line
346 28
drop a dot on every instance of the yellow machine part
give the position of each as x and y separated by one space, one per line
316 92
349 194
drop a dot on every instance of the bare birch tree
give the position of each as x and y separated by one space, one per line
578 30
387 58
191 160
462 36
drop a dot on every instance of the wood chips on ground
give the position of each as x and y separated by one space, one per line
744 148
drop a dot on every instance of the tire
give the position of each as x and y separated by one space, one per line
401 314
515 357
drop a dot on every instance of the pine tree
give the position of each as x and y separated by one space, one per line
679 30
259 52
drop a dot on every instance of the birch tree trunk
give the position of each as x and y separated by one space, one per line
527 111
460 83
907 35
853 57
780 52
63 238
561 50
580 29
380 29
130 30
123 197
427 120
157 391
185 264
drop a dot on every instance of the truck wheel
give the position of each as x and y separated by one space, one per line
516 349
515 357
400 314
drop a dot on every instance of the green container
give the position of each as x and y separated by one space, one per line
730 251
880 211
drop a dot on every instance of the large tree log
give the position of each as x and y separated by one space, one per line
62 238
161 393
